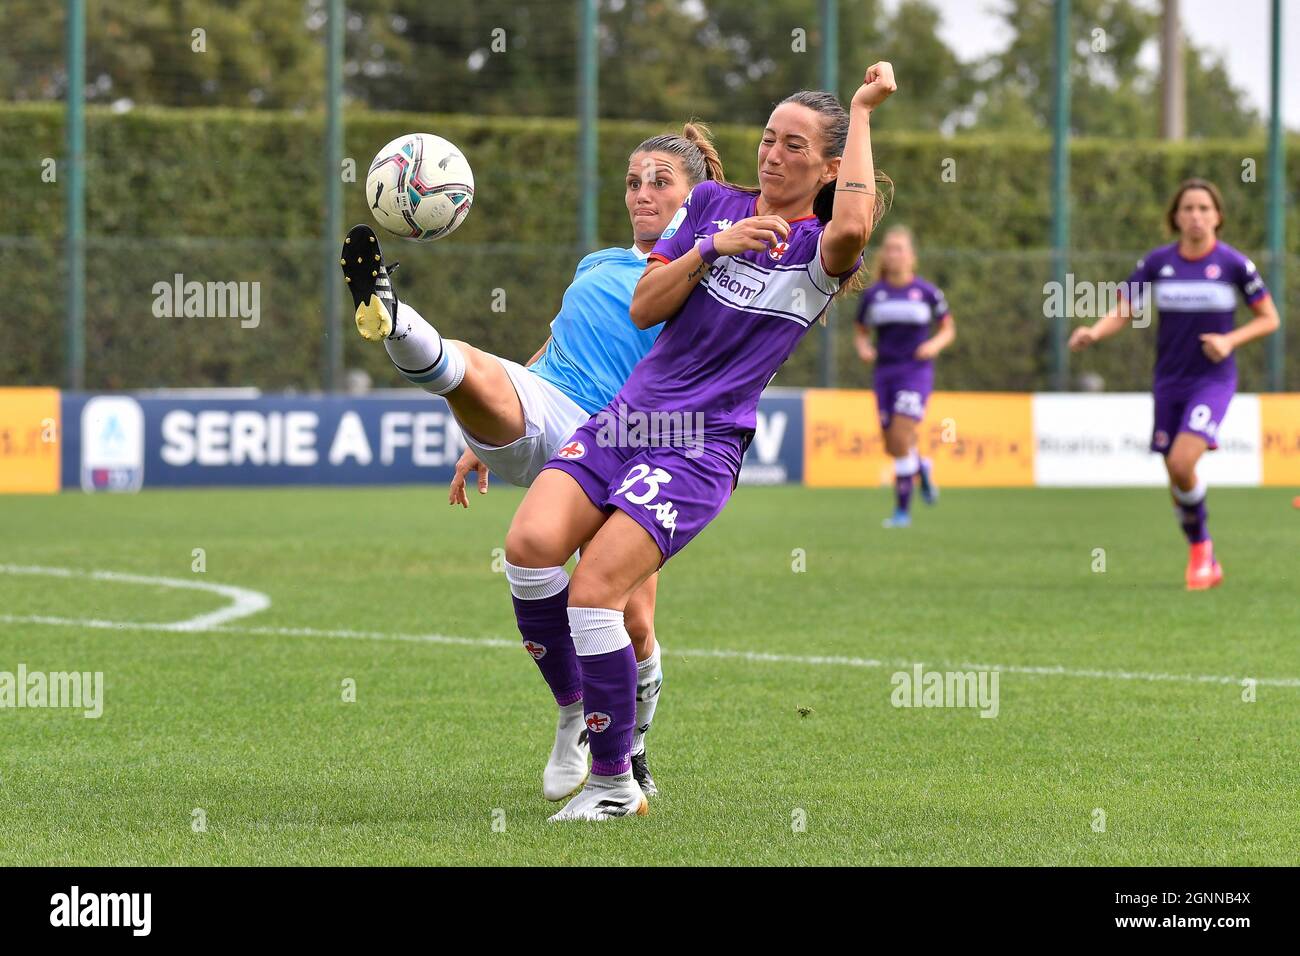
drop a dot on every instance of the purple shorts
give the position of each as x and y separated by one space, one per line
1196 407
903 390
672 492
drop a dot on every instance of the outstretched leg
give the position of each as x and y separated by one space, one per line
473 382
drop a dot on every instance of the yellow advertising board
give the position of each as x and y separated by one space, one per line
1279 424
30 434
977 439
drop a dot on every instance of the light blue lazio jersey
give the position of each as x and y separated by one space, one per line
593 341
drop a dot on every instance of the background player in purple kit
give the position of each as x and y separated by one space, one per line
903 309
739 276
1193 283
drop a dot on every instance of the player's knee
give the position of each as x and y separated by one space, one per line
530 546
640 624
897 445
593 588
1182 471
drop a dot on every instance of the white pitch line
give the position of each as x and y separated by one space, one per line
243 601
756 657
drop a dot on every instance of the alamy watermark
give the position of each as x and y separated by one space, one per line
208 300
129 910
79 690
1094 300
922 688
626 428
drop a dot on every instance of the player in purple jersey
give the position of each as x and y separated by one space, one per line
903 309
514 418
1194 284
738 277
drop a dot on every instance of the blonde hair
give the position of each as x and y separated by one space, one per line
878 259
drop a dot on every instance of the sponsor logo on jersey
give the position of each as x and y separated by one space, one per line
538 651
1212 271
779 250
723 224
739 289
1165 271
574 449
678 218
598 721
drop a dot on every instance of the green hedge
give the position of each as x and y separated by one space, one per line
227 195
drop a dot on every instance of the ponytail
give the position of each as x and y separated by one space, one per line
694 146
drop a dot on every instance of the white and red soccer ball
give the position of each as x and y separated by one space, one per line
420 187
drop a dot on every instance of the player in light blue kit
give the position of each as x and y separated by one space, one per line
1194 283
515 418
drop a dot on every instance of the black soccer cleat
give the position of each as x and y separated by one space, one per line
641 774
370 282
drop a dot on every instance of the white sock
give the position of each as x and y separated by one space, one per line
649 680
423 356
597 630
1190 498
909 464
536 584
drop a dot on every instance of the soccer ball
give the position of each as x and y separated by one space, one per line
420 187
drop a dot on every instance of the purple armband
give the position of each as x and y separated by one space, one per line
705 248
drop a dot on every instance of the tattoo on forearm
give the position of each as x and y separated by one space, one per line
855 188
697 271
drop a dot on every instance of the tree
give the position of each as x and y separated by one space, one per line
1111 92
935 88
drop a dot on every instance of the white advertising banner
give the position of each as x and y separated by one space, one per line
1105 440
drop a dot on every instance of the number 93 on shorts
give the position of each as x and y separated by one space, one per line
673 493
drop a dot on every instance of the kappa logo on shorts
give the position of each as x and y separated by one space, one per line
574 449
597 721
538 651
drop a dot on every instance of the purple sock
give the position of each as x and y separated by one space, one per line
903 490
608 666
1193 518
609 698
544 626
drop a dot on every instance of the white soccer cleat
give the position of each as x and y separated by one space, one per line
604 798
566 769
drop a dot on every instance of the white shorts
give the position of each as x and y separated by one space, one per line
550 419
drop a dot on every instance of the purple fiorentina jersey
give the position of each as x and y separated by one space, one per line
901 316
1194 297
739 324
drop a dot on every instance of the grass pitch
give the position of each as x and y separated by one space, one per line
1119 692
